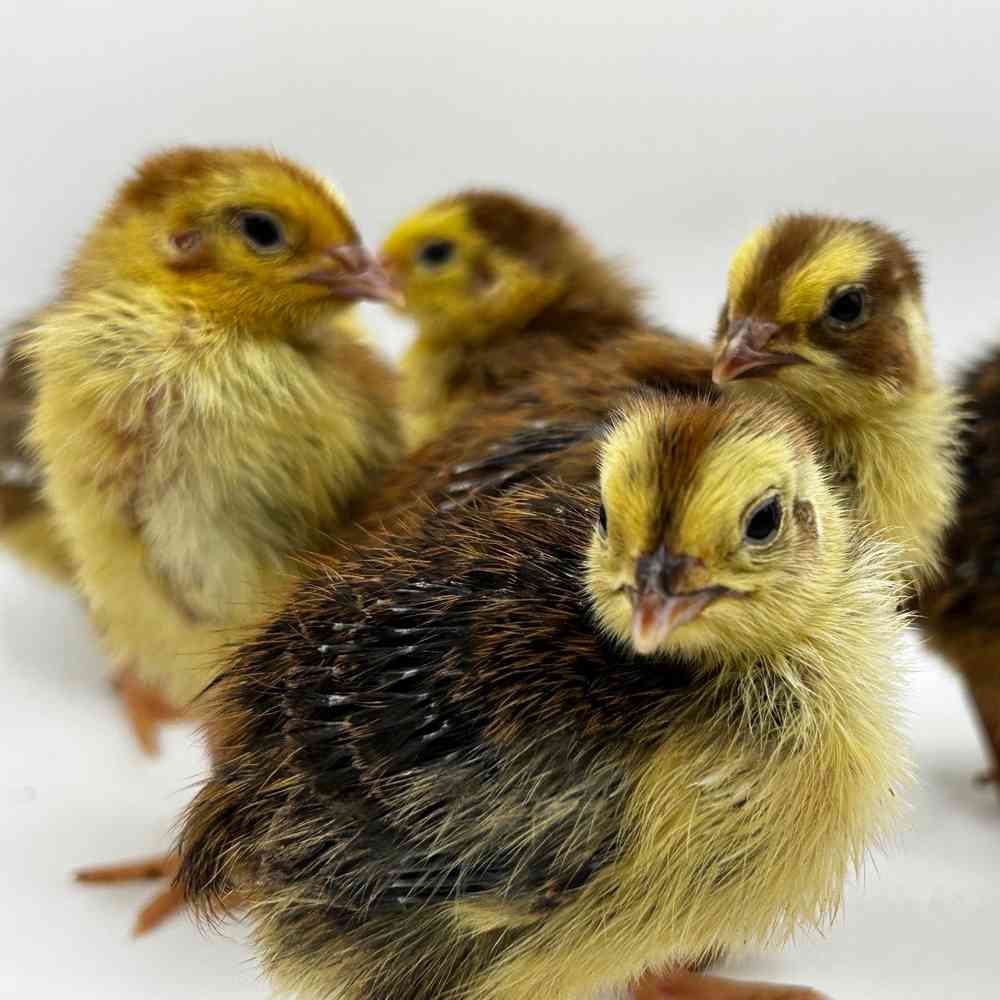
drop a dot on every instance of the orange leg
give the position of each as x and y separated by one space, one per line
684 985
146 709
165 903
985 695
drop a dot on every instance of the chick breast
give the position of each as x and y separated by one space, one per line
186 479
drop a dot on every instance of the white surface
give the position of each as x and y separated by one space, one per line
667 130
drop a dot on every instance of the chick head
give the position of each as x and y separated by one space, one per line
242 234
717 532
481 263
826 309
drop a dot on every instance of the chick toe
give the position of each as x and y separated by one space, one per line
161 907
684 985
146 710
148 869
164 904
986 703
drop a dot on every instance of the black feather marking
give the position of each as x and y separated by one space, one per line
440 711
508 463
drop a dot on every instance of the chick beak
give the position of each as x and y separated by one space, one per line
356 275
743 353
656 615
391 269
658 608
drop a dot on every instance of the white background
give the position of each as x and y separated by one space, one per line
667 130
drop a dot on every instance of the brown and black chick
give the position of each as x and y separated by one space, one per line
558 738
960 612
501 289
828 312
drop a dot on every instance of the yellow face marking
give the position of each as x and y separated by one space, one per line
842 258
449 222
711 521
705 466
479 291
744 262
629 462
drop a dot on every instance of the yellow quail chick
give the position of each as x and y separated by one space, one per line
500 289
201 415
522 367
563 736
828 312
206 409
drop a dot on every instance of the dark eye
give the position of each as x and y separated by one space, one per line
763 523
436 253
261 231
602 521
847 307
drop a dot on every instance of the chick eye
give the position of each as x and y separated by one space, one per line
261 231
763 523
602 521
436 253
847 307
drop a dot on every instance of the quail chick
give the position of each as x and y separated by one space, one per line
201 413
500 289
960 613
558 737
27 526
829 313
527 340
206 409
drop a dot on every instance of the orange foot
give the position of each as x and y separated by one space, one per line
146 709
164 904
684 985
986 703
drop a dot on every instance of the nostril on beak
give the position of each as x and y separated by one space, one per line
352 257
738 330
760 333
753 333
661 570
